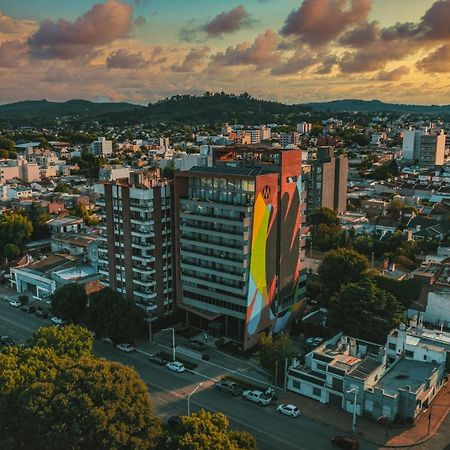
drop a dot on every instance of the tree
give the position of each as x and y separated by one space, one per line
72 340
110 314
324 215
81 211
326 237
4 154
363 310
39 218
14 229
210 431
11 251
339 267
69 302
7 144
273 352
55 402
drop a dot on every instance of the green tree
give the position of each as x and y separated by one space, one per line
273 352
4 154
326 237
209 431
339 267
324 215
81 211
14 229
363 310
7 144
69 302
110 314
39 218
11 251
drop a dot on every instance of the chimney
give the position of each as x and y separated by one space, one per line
352 348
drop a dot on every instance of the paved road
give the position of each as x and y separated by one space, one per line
170 390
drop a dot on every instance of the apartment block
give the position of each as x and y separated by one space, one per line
101 147
135 248
238 243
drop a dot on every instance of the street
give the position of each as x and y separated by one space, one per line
169 391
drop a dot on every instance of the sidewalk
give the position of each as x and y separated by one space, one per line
369 430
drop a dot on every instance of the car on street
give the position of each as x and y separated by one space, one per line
174 421
288 410
345 442
108 340
126 348
58 321
230 387
196 345
15 304
257 397
157 360
42 313
6 340
176 366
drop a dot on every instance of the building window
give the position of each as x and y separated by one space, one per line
296 384
409 354
317 392
392 346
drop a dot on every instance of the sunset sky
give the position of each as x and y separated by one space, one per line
288 50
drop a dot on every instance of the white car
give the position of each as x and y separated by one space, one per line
15 303
57 321
125 348
176 366
257 397
288 410
108 340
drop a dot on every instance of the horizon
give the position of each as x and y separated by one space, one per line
141 51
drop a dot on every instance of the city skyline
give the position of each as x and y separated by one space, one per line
291 51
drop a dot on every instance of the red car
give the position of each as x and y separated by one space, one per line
345 442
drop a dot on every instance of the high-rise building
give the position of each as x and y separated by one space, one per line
432 150
101 147
287 139
135 249
304 127
265 132
238 243
326 181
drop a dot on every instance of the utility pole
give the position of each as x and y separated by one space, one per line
373 254
150 335
173 341
285 373
189 398
276 372
355 392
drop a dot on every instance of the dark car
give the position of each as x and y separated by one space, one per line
345 442
27 308
230 387
196 345
174 421
6 340
157 360
42 313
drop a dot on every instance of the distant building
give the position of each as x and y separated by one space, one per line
238 243
265 132
101 147
326 181
66 224
304 127
135 248
289 139
113 172
427 149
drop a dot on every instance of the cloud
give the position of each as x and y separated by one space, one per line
101 25
300 60
11 26
437 61
11 52
392 75
192 60
227 22
122 59
319 22
361 36
262 52
327 65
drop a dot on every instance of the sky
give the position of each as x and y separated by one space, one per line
293 51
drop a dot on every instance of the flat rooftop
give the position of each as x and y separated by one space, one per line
407 373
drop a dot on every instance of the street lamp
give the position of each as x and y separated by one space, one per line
173 340
355 392
189 398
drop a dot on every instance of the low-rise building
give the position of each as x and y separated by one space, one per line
66 224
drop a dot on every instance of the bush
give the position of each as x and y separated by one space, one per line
23 299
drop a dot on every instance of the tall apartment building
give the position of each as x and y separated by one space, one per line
101 147
238 243
427 150
254 133
287 139
135 249
326 181
304 127
265 132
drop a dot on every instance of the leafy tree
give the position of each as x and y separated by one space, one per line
14 229
339 267
395 206
210 431
326 237
69 302
273 352
39 218
364 244
72 340
4 154
81 211
11 251
324 215
363 310
63 187
110 314
51 401
7 144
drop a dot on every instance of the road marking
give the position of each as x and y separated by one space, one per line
17 325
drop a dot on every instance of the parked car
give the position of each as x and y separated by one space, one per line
25 308
6 340
108 340
31 309
58 321
196 345
15 303
42 313
257 397
176 366
345 442
288 410
174 421
126 348
230 387
157 360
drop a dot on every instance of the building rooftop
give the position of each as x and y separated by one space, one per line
60 221
74 239
406 374
228 170
365 368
